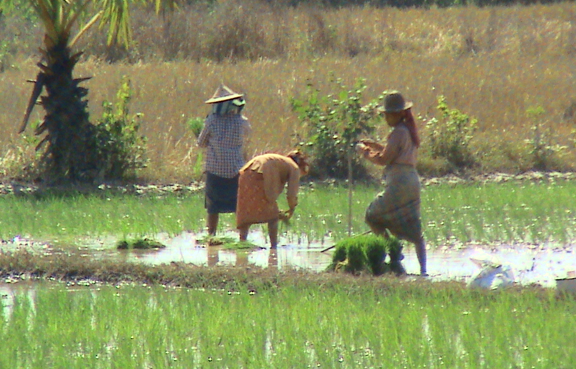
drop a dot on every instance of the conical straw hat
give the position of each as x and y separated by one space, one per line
223 93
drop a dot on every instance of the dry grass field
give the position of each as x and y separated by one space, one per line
493 64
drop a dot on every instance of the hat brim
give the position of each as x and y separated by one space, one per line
407 105
215 100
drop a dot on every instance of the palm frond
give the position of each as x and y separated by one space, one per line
49 12
85 28
36 91
77 11
164 6
116 15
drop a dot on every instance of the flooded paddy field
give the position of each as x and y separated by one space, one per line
321 322
528 264
527 224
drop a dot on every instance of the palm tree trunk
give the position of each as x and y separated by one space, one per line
70 152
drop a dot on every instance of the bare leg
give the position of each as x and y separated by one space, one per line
273 233
421 254
273 259
244 232
212 256
212 223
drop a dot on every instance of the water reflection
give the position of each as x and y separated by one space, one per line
186 249
541 264
10 290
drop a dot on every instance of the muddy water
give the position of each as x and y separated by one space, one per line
541 264
530 264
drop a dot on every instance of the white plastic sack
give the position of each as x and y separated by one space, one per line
492 275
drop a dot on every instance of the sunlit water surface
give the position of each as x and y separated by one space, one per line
542 264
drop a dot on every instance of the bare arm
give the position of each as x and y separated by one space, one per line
293 186
379 154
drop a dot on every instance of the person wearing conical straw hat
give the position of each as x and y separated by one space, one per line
397 208
224 133
262 180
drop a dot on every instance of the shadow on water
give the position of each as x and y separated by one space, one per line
541 264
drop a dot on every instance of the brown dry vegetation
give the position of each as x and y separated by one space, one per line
490 63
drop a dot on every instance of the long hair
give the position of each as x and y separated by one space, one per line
411 125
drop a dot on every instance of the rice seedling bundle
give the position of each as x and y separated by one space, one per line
366 253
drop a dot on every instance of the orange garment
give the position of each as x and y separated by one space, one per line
252 206
261 182
277 171
399 148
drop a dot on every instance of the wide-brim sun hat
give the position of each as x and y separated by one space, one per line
223 93
394 102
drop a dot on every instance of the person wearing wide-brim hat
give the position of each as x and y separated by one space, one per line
224 133
261 182
397 209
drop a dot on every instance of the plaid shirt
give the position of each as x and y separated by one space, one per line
223 136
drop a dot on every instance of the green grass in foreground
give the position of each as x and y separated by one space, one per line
488 213
291 327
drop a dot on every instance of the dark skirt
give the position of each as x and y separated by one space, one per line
220 194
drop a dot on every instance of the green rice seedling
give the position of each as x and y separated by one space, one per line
510 212
375 254
196 125
365 253
356 260
322 211
332 321
67 217
452 214
339 255
139 244
209 240
240 245
394 247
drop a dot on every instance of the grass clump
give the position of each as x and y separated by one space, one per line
240 245
139 244
226 242
215 240
367 254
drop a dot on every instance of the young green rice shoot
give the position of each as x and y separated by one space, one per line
297 326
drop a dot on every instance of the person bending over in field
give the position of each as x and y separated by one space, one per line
261 182
223 135
397 209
